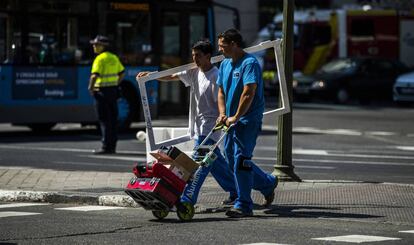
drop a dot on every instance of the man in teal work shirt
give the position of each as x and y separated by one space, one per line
241 104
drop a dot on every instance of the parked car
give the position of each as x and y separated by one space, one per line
346 79
404 89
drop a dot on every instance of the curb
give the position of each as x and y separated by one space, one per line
125 200
42 196
66 197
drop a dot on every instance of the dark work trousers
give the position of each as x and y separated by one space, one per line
107 109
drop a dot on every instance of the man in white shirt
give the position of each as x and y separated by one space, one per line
203 115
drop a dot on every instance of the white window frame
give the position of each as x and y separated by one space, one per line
285 107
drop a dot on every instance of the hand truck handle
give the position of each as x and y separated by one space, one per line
218 126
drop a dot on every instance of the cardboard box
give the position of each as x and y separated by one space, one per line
161 156
182 166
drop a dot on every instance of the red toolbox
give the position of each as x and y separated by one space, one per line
153 193
160 192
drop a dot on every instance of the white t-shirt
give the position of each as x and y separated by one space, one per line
203 100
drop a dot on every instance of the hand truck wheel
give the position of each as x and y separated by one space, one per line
160 214
185 211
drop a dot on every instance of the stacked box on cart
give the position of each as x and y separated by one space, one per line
159 189
153 193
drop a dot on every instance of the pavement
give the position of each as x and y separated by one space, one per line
379 202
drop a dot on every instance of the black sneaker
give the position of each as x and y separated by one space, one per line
238 213
229 201
268 200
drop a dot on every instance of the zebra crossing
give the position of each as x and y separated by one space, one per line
17 210
345 238
4 214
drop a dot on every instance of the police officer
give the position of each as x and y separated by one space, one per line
107 72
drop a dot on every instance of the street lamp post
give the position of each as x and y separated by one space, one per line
284 167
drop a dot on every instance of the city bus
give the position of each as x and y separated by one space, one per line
46 57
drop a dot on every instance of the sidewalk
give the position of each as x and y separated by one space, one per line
374 202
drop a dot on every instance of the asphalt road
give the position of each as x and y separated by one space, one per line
67 224
329 142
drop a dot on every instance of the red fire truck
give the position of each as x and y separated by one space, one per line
320 35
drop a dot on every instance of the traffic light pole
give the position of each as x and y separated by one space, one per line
284 167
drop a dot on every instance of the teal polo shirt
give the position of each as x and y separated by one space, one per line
232 78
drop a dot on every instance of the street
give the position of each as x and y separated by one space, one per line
357 164
329 143
67 224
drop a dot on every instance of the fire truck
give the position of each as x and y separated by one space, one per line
321 35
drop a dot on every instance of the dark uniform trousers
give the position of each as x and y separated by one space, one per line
107 110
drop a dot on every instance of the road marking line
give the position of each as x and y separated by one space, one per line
299 166
298 151
89 208
405 148
310 152
264 243
357 238
130 159
13 214
17 205
340 131
335 161
43 148
411 231
62 149
337 131
93 164
314 167
306 130
354 162
369 156
380 133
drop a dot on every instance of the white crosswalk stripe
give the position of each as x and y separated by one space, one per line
12 214
18 205
356 238
405 148
380 133
89 208
264 243
410 231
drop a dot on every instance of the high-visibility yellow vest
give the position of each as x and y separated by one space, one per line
108 66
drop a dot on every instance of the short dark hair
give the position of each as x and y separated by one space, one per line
232 35
204 46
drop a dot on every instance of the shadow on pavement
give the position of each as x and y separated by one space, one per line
315 211
194 220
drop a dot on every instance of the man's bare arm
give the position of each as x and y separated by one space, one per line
172 77
221 102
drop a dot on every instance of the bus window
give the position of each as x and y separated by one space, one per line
59 43
197 28
44 36
171 43
131 33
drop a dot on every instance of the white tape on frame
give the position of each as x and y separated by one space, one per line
285 107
